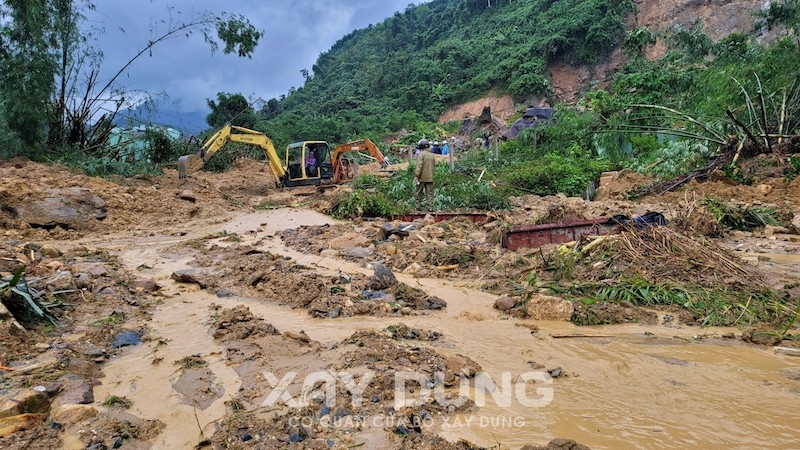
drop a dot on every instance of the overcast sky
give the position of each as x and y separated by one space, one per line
296 32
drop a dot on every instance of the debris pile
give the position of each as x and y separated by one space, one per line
274 278
657 266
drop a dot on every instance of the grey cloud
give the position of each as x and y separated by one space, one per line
296 32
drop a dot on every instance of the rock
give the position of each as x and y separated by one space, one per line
7 317
341 412
145 285
127 338
382 278
390 249
329 253
546 307
770 230
95 352
188 276
187 195
348 241
70 207
505 303
82 280
357 252
412 269
21 401
386 230
75 394
458 365
796 222
558 444
54 266
434 303
224 293
13 424
73 414
49 251
301 336
98 270
58 281
102 290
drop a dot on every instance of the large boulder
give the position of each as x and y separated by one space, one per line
69 207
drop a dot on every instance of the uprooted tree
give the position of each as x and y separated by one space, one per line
50 85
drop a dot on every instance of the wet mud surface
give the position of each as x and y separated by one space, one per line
224 323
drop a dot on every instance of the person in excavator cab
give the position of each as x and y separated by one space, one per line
311 164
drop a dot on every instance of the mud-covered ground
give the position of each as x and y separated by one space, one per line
110 258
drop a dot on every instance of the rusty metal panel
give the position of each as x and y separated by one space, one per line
556 233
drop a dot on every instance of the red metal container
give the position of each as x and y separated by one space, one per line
556 233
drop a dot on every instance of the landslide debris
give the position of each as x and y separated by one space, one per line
352 387
246 270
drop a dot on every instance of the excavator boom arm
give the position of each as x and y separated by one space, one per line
261 140
234 134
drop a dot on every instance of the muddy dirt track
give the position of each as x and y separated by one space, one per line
266 324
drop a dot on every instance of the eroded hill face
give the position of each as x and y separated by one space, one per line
718 18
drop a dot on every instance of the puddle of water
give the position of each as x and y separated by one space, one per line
628 390
781 258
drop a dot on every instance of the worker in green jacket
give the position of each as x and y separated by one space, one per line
423 176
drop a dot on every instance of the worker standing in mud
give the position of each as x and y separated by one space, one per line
423 175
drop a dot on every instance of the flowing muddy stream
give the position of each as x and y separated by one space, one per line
639 387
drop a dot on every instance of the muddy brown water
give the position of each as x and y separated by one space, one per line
641 387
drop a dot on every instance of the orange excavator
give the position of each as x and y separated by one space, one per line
345 168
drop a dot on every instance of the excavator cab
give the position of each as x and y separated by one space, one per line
308 162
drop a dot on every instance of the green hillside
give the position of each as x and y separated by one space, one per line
414 65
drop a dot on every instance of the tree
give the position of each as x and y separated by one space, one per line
231 109
26 82
50 70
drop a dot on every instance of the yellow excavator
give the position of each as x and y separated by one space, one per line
344 168
306 163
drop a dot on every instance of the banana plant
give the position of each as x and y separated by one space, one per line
19 287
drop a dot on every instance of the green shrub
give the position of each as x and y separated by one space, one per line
362 203
556 173
740 217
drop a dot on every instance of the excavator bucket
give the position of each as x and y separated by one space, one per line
188 164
